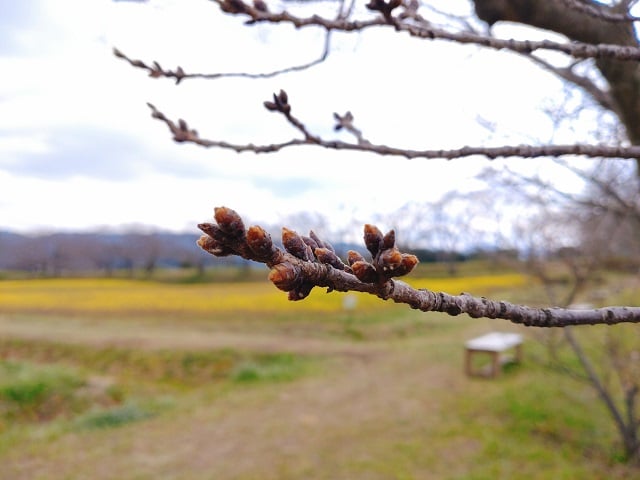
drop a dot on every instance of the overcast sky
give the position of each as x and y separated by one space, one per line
79 150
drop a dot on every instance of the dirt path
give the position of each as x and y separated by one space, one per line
364 418
141 336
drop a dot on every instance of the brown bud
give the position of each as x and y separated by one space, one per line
182 125
213 231
389 240
211 246
324 255
260 242
229 221
260 6
294 244
270 106
179 73
233 6
372 238
390 260
321 243
284 276
353 257
300 292
207 243
311 242
407 264
365 272
283 98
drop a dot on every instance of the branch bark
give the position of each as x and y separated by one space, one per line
578 49
308 262
182 133
581 25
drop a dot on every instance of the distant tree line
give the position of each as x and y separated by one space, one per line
58 254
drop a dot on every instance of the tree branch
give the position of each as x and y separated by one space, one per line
309 262
602 97
182 133
601 11
156 71
576 49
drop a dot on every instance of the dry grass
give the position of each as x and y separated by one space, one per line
385 396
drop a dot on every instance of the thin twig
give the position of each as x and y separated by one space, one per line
602 12
157 71
181 133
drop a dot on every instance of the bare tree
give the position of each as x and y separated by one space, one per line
600 34
598 55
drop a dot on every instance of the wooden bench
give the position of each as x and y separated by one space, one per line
494 344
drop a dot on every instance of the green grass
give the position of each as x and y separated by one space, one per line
275 367
187 368
30 392
369 393
113 417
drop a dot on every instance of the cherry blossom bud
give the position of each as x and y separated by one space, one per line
212 246
372 238
389 240
365 272
300 292
260 242
353 257
324 255
390 260
212 230
284 276
294 244
229 221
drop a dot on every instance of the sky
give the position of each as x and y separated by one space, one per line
79 150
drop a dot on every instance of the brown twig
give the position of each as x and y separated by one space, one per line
182 133
601 11
309 262
155 70
424 31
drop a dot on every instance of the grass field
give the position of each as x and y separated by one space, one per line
114 378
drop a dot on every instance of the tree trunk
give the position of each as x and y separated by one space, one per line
558 16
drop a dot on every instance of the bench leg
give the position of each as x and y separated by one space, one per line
496 367
519 356
467 362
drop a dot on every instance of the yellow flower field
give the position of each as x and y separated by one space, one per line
111 296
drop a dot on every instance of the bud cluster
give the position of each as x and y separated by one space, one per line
384 7
280 103
228 236
387 260
308 249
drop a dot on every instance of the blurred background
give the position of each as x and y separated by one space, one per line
127 352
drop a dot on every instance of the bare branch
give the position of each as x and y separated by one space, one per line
424 31
181 133
595 380
156 71
602 97
630 208
601 11
309 262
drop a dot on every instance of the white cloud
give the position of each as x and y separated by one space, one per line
78 147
